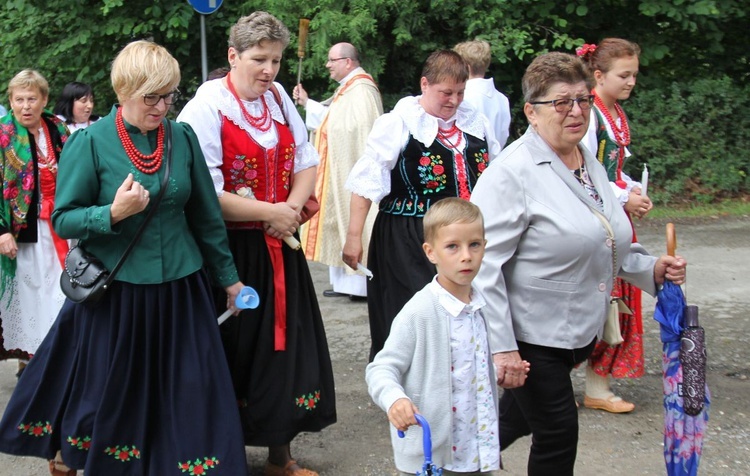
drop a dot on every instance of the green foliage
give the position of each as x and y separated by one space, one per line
693 135
69 41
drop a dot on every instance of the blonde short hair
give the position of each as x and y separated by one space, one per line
253 29
477 54
447 212
143 67
29 79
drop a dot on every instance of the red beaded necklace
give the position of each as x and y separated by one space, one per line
148 164
262 122
49 159
622 135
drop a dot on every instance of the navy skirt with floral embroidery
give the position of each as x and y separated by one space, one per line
280 392
135 384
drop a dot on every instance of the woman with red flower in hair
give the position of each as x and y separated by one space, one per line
428 148
614 67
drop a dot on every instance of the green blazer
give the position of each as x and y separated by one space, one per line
187 230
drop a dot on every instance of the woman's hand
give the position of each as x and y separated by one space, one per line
284 220
352 252
671 268
511 370
637 204
8 245
131 198
232 292
401 414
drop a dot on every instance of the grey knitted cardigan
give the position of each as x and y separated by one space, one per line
416 363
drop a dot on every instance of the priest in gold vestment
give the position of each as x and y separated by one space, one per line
341 125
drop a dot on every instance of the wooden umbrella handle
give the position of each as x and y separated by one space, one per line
671 239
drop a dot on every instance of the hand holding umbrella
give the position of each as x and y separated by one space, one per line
427 468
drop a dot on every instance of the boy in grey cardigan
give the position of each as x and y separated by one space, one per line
437 361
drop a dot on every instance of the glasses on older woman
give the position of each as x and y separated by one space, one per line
566 105
153 99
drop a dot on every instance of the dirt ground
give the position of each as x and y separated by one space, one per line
718 251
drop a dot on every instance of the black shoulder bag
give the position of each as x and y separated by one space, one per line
85 279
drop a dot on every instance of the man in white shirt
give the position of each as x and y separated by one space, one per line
481 92
341 124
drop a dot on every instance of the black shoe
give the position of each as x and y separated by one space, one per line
332 293
354 298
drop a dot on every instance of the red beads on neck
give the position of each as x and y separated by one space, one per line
262 122
49 159
621 134
148 164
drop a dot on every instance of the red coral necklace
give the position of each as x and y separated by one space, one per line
148 164
622 134
262 122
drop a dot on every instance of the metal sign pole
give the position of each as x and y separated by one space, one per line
204 54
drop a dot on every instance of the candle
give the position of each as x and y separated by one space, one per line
644 181
366 271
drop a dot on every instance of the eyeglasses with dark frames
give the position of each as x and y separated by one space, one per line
333 60
169 98
566 105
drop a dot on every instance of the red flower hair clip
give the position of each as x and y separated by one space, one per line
585 51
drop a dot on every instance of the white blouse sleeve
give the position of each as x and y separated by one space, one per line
371 175
203 115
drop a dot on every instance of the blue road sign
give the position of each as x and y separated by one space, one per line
205 7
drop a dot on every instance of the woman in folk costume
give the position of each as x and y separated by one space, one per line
136 382
614 66
253 139
428 148
32 254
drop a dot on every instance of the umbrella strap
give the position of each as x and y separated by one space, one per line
611 235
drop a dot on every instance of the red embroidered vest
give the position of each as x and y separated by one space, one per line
267 172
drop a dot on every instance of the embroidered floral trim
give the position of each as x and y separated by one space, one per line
83 444
482 159
432 172
123 453
309 401
244 172
199 466
36 429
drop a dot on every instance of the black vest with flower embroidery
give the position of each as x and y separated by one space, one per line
424 175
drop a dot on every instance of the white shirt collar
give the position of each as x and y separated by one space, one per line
424 126
452 304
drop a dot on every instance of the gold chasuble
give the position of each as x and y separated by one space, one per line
340 140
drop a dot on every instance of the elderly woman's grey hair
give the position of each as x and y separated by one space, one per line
549 69
255 28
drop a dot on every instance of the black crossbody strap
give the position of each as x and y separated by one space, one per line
154 205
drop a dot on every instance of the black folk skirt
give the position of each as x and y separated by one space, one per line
400 269
280 393
134 384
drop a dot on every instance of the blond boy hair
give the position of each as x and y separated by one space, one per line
447 212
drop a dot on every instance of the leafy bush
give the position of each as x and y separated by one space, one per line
695 137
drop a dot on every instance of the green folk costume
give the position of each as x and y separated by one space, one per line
167 250
136 383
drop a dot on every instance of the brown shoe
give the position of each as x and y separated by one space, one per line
58 468
611 404
288 470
